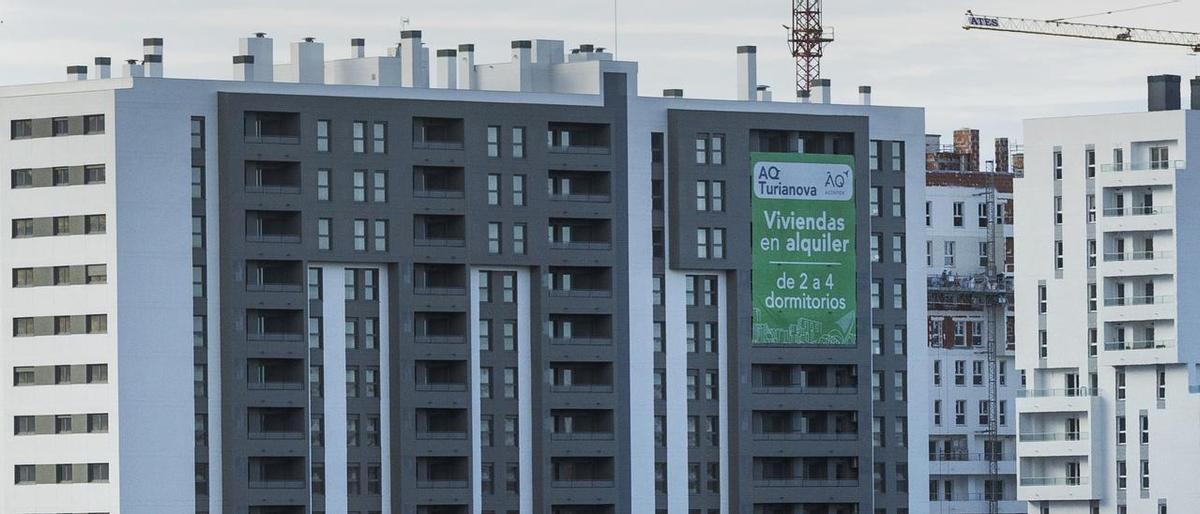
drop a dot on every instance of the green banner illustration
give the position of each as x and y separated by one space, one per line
804 261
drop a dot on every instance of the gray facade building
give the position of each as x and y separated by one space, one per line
523 290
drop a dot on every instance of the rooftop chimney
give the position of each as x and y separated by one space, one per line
864 95
466 66
447 77
133 69
763 93
522 55
243 67
1002 155
821 91
260 48
804 96
413 59
152 48
673 93
103 68
75 73
358 48
966 144
747 73
1163 92
308 57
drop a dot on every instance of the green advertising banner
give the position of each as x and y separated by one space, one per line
804 261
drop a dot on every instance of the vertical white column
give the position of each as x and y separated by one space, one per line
524 391
473 375
676 389
385 394
333 319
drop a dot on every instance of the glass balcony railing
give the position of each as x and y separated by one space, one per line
1137 256
1050 393
1118 167
1123 301
1035 437
1047 481
1137 210
1113 346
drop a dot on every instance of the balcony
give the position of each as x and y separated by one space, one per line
274 325
581 377
273 226
272 177
272 423
440 327
274 276
581 425
442 424
1056 393
441 376
438 133
581 472
1123 167
438 182
1137 256
580 234
804 379
804 425
1121 346
981 283
1138 300
580 282
439 231
275 374
277 473
578 138
272 127
1041 437
1139 308
439 280
578 186
1138 210
442 473
581 329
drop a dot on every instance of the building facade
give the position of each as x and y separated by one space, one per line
1106 419
378 323
966 211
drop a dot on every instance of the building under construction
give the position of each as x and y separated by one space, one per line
968 219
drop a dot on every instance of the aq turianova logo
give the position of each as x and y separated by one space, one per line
803 181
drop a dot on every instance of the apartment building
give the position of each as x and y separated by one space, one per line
377 322
967 210
1107 417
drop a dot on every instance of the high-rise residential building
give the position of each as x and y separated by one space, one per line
1107 419
527 289
967 211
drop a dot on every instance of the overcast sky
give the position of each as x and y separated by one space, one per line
913 52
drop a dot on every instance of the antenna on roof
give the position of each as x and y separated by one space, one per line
404 21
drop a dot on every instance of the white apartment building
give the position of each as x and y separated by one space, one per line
958 213
1108 420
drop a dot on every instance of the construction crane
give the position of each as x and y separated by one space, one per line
807 37
1062 28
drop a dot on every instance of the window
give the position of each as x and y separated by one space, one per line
323 185
898 248
22 179
22 228
94 224
380 235
197 182
379 186
958 214
322 135
93 174
493 141
876 242
96 373
23 425
23 376
1122 481
1145 473
518 190
1058 255
898 156
900 386
197 281
63 473
96 323
710 243
1144 429
21 129
510 383
874 194
96 274
873 157
1161 380
61 176
960 412
710 149
899 297
62 225
379 137
1159 158
960 373
323 233
197 231
937 412
518 142
1058 210
928 214
1121 430
316 382
485 383
494 242
493 189
59 127
370 383
360 185
94 124
897 202
1058 164
510 431
360 136
518 239
876 293
710 195
351 381
1120 381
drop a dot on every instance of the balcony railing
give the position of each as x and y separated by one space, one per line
579 484
440 291
275 435
1137 256
581 436
438 145
581 245
274 337
805 482
1045 481
1118 167
276 484
437 193
273 288
1116 346
1036 437
598 198
272 139
441 387
1123 301
583 149
1048 393
802 389
1139 210
433 242
441 484
970 457
275 386
581 341
971 283
581 293
272 238
798 435
441 436
581 388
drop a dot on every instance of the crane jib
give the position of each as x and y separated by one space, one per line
982 21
